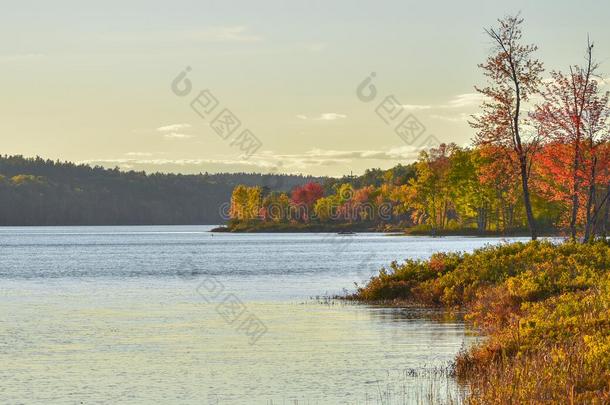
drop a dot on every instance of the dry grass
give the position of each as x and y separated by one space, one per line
544 308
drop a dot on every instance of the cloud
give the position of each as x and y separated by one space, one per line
416 107
465 100
138 154
323 117
602 81
331 116
459 101
236 33
402 152
171 131
173 127
461 117
164 163
266 161
176 135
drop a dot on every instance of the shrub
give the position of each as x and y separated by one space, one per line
544 307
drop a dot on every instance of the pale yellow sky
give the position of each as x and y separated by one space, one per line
93 83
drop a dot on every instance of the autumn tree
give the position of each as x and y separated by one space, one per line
573 112
239 202
514 75
275 207
245 202
363 203
344 200
325 208
304 198
431 194
471 198
498 171
597 158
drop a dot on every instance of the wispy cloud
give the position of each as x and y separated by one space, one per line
465 100
416 107
461 117
171 131
176 135
322 117
460 101
402 152
268 160
236 33
179 162
331 116
173 127
602 81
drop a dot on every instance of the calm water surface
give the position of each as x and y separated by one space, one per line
169 314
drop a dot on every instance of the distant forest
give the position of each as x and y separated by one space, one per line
36 191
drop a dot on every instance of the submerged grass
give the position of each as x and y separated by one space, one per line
544 307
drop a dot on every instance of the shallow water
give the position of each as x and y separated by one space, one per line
175 314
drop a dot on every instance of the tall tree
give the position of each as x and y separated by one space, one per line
514 75
571 109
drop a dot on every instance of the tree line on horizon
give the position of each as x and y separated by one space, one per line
37 191
540 159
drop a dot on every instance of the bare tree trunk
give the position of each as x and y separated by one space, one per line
575 184
590 200
434 215
526 198
522 158
511 217
581 105
481 225
605 201
503 210
606 217
488 216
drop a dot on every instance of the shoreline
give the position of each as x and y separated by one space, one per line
395 231
516 297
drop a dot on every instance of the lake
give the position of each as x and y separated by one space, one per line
176 314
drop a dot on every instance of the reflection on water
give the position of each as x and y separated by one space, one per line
100 315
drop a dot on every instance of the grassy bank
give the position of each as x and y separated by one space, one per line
544 308
426 230
285 227
253 226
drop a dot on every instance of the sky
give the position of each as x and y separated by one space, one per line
92 82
